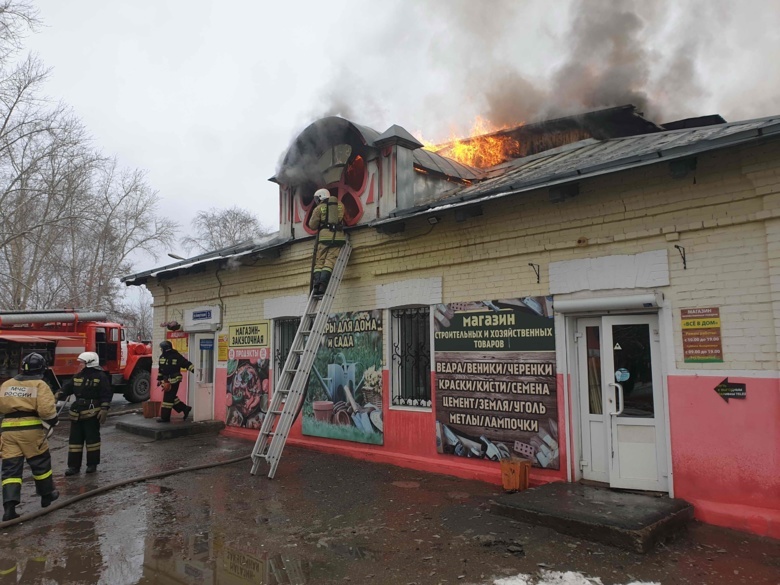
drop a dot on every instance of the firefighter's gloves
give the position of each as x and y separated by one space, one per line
59 397
191 368
102 416
52 422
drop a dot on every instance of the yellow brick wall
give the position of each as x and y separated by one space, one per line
726 214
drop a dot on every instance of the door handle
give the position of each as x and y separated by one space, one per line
620 398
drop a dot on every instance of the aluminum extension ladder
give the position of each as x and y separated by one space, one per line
291 386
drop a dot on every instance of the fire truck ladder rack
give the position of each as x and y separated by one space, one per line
291 387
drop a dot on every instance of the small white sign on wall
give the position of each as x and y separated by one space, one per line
199 319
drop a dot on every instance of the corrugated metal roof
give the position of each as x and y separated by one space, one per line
259 246
590 155
594 157
446 166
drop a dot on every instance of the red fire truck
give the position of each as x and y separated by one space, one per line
60 336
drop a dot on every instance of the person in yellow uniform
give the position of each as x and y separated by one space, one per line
29 408
328 219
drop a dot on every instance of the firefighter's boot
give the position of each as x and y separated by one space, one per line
71 471
187 411
324 280
316 284
91 468
47 499
9 512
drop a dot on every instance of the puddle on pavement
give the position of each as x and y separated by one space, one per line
150 546
227 565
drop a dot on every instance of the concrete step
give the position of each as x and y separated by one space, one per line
149 427
627 520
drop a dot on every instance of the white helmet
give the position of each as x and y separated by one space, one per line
321 195
90 359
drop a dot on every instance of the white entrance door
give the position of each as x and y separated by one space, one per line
622 416
203 378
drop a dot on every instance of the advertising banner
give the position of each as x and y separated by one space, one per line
496 392
344 398
248 361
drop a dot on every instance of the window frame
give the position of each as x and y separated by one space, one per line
394 363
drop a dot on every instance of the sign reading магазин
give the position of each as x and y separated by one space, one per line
249 335
701 335
496 392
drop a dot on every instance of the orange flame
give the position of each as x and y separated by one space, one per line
482 148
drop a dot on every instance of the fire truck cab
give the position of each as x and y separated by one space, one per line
62 335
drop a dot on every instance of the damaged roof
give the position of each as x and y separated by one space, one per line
591 157
560 166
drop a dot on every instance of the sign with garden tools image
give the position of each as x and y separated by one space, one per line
344 397
248 361
496 394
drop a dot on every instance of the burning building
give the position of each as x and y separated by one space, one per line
600 295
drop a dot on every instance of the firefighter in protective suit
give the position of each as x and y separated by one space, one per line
92 389
169 376
28 405
328 219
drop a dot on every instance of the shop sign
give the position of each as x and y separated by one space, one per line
249 335
248 374
344 396
179 340
701 335
496 392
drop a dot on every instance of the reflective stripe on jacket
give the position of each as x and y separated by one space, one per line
21 424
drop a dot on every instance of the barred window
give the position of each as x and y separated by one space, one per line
285 334
411 357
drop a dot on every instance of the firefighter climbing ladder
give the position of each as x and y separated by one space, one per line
291 386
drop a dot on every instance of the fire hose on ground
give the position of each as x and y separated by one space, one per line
59 504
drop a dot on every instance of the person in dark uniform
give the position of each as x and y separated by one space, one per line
328 219
28 405
93 392
169 376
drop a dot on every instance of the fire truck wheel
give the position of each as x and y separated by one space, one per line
140 387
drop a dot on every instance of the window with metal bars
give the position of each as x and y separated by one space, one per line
285 334
411 357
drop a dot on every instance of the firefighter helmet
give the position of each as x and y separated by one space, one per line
321 195
90 359
166 346
33 364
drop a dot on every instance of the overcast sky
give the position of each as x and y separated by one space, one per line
206 96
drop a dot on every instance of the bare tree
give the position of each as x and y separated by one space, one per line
70 218
119 221
138 314
220 228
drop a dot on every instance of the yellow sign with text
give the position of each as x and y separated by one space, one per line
701 323
250 335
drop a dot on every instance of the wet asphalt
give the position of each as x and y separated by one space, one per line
324 519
